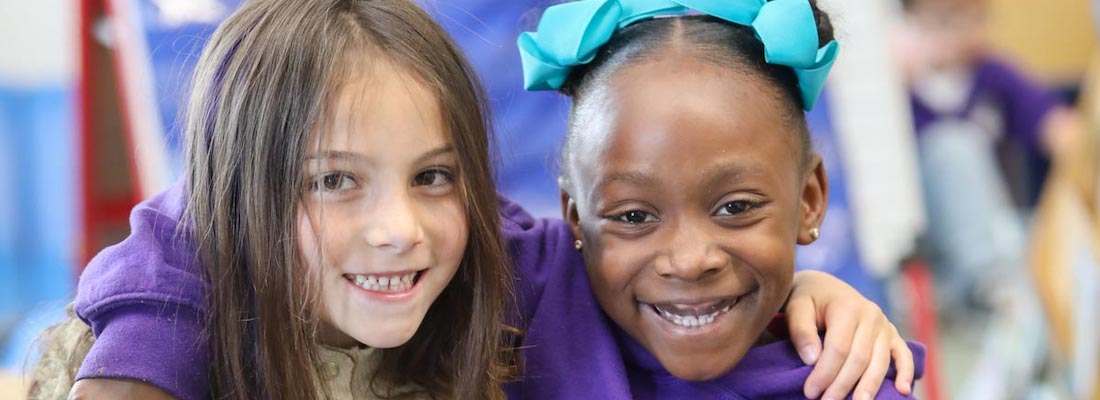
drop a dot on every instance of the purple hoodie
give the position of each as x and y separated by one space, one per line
1022 104
144 299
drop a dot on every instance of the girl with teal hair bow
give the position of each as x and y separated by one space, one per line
688 179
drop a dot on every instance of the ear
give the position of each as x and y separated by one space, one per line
569 213
814 201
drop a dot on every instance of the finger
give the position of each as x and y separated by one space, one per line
872 378
803 326
903 363
859 356
838 342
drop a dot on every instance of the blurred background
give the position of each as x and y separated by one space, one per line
961 139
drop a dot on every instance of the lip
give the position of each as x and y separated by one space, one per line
391 297
721 322
388 273
692 302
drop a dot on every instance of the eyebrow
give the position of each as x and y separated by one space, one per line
731 170
334 155
713 175
352 156
438 151
637 178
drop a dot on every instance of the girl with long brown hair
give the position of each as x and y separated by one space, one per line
339 196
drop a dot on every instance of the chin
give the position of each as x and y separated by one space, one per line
385 337
700 367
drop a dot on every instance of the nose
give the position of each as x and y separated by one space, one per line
692 255
394 224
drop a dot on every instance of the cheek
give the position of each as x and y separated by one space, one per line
613 264
322 243
323 238
769 251
446 225
309 243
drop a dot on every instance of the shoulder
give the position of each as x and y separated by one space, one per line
155 263
995 65
541 252
1005 78
516 219
144 300
121 389
524 234
775 371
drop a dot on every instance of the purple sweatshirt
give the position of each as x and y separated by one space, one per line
1021 103
144 300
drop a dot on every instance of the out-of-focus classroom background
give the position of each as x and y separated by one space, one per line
961 138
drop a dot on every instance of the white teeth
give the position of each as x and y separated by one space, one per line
692 321
384 283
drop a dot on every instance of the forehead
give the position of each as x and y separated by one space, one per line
690 90
687 113
383 101
691 96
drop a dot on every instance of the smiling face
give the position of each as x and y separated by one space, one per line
382 225
688 191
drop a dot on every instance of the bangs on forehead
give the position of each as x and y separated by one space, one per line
356 69
353 68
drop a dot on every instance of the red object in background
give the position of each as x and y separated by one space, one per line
109 186
917 280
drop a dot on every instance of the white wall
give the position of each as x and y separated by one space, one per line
37 42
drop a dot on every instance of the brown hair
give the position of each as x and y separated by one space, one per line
706 38
262 89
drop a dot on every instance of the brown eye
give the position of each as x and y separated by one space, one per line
635 217
333 182
433 177
737 207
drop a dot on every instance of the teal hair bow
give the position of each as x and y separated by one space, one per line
570 34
